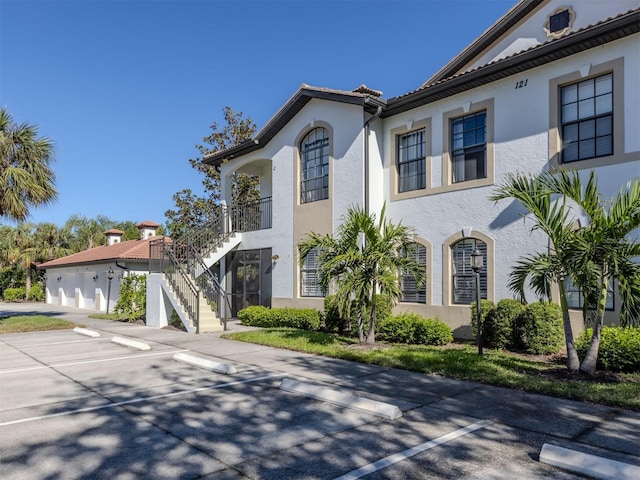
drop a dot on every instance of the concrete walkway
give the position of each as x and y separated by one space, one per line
506 429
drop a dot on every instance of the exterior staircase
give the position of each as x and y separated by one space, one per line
180 271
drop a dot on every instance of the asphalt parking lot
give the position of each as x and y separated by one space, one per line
73 406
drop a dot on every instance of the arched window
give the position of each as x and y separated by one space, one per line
410 291
314 166
463 276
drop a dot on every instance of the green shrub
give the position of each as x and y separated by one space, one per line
619 349
539 328
36 293
486 306
500 321
132 300
332 321
411 328
15 294
302 318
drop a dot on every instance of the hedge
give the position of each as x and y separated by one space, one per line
411 328
14 294
333 321
499 323
619 349
258 316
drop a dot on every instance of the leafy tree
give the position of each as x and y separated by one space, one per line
363 259
193 211
591 255
26 178
87 232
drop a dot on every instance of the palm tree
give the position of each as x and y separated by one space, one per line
50 242
21 251
603 251
591 256
363 259
543 268
26 179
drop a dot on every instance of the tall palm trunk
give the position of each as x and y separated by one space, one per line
573 362
371 334
360 324
588 364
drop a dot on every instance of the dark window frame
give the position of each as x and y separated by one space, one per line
577 141
406 162
314 166
469 147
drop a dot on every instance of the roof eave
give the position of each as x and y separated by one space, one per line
284 116
541 55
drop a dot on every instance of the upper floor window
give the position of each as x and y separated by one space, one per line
463 276
469 147
587 119
411 161
314 166
411 292
309 281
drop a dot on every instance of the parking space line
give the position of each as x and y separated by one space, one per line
141 399
52 343
397 457
86 362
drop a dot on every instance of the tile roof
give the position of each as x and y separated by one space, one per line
147 223
129 250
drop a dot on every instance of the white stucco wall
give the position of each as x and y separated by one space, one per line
74 286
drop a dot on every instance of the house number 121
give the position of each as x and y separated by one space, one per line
522 83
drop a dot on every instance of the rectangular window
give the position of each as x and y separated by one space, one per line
575 297
587 119
411 161
469 147
309 282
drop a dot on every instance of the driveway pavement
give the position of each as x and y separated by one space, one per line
73 406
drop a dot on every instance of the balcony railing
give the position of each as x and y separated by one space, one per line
251 216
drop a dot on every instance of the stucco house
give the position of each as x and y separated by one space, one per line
82 279
552 84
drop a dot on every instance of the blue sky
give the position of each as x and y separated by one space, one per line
126 89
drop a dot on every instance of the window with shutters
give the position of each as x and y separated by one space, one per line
411 292
309 280
463 277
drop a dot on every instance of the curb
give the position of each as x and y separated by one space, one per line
591 465
385 410
87 332
204 363
130 343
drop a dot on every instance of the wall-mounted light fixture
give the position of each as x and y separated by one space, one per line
95 278
59 278
275 257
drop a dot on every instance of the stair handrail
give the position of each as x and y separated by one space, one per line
211 289
178 278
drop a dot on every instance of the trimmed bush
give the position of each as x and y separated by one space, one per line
302 318
132 300
411 328
499 322
14 294
486 306
36 293
619 349
539 328
333 322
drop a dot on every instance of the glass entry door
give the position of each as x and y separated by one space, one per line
250 279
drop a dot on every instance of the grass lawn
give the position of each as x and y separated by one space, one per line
532 374
33 323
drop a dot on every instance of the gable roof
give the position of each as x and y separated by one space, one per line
369 99
449 81
588 37
129 250
499 28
